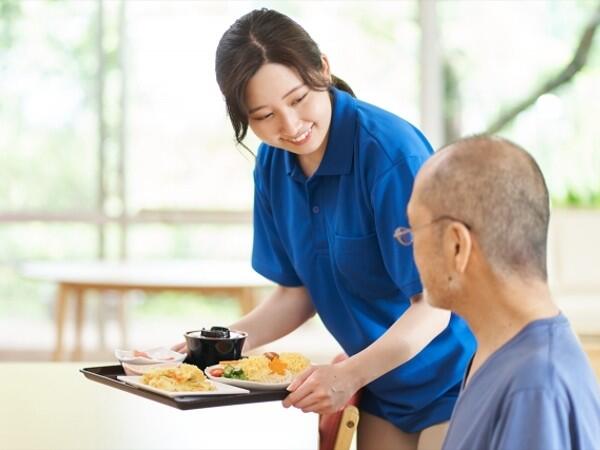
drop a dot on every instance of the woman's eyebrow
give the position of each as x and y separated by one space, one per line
291 91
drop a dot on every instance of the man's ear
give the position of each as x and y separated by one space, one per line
461 244
326 70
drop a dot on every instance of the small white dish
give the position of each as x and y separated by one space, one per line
221 389
246 384
141 369
158 355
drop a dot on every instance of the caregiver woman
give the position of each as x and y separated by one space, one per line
332 181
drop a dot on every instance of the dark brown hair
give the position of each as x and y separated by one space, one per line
259 37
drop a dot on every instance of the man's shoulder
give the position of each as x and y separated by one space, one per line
540 375
545 357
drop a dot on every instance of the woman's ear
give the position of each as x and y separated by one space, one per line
326 70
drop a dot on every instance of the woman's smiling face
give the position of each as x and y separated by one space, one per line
285 113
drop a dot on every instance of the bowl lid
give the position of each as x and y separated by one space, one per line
216 333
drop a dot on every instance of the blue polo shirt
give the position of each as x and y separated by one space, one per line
333 234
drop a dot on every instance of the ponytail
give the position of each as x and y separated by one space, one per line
341 85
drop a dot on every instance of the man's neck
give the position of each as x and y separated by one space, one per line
501 311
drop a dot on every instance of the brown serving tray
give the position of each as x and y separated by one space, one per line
108 375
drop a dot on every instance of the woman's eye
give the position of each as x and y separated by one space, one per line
298 100
266 116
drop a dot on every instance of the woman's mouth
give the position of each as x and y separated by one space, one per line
302 138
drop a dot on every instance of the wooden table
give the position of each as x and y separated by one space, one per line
49 406
75 279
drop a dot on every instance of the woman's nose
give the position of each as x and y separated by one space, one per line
289 125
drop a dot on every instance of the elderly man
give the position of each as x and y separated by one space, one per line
479 216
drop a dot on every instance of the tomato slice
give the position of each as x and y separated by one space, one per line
216 372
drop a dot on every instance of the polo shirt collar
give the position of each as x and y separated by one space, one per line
337 159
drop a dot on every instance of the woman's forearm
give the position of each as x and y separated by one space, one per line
281 313
407 337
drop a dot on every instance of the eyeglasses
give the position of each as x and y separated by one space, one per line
405 236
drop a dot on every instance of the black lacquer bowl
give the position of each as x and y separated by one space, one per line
208 347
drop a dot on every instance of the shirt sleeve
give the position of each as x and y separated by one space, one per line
269 256
534 420
389 197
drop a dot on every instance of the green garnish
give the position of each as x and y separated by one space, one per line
234 372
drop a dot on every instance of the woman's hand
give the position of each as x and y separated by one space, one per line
181 347
321 389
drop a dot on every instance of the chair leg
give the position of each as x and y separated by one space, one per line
62 295
79 298
347 428
246 300
101 319
122 313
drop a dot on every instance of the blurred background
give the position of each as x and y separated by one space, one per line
115 144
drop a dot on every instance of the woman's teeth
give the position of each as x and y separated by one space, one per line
302 136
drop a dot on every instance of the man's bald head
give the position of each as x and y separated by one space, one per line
497 188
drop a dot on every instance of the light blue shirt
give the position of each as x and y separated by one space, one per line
333 234
537 392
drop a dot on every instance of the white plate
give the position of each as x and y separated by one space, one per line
155 356
246 384
222 389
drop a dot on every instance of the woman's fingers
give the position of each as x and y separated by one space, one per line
301 378
299 393
181 347
312 399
